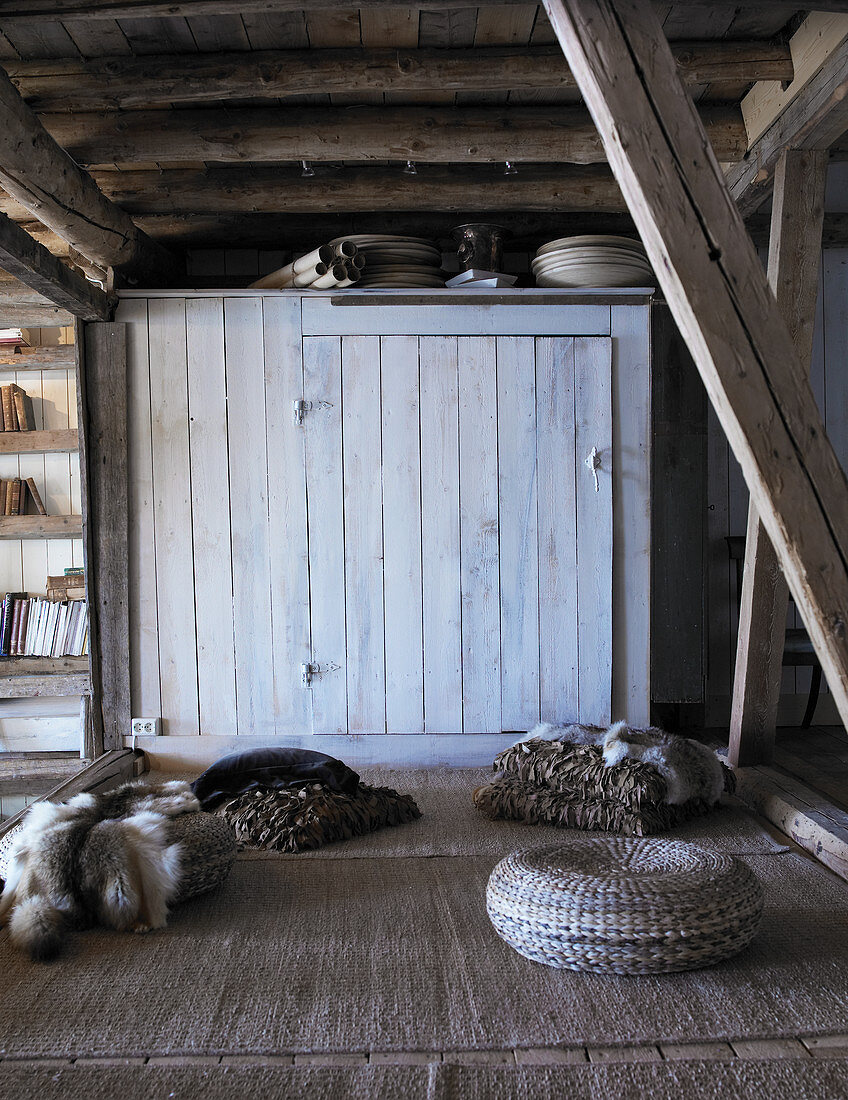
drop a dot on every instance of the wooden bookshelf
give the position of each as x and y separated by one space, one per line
58 358
40 527
52 442
31 677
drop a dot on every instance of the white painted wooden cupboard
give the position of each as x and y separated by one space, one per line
418 518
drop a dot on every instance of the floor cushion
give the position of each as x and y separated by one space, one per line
273 766
296 819
562 784
624 905
209 849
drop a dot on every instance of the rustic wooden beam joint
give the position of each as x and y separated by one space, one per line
816 119
41 176
33 265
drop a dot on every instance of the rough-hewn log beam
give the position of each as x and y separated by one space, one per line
815 119
46 180
793 274
95 84
275 190
52 10
27 260
717 291
442 134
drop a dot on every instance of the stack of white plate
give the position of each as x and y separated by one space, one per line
592 261
397 262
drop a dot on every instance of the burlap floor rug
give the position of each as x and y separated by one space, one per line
451 826
398 954
774 1080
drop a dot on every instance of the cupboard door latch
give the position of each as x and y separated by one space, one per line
311 670
301 408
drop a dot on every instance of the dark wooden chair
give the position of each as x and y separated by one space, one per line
798 649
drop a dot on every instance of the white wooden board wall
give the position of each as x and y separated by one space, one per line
35 725
448 430
728 503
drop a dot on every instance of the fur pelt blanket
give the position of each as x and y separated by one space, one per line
95 859
690 770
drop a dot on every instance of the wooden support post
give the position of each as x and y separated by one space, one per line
793 274
719 296
102 397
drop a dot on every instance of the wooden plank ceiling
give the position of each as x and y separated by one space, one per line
196 123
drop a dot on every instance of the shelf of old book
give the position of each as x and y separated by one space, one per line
40 527
39 442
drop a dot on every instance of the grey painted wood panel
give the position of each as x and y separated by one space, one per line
402 591
325 509
288 538
176 621
210 509
245 365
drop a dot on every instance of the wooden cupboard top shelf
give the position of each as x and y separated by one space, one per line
40 527
60 439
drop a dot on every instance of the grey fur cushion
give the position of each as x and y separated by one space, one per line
208 850
567 785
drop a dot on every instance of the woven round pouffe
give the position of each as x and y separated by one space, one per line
624 905
208 850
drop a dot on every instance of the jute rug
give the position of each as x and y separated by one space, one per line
451 826
775 1080
398 954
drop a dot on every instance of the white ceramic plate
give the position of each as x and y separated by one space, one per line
591 239
386 238
579 265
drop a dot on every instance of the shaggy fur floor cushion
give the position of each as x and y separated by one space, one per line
297 819
558 783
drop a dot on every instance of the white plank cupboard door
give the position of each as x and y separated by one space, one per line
460 555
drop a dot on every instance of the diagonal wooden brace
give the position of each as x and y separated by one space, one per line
717 291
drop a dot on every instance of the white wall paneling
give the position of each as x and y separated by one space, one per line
428 539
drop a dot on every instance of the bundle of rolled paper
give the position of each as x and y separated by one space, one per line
338 264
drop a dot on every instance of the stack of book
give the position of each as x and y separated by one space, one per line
20 497
14 338
32 626
17 409
70 586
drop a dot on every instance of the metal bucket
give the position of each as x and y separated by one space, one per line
479 245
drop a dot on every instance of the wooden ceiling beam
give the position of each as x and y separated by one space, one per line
95 84
362 188
718 294
41 176
48 283
430 135
39 11
815 119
